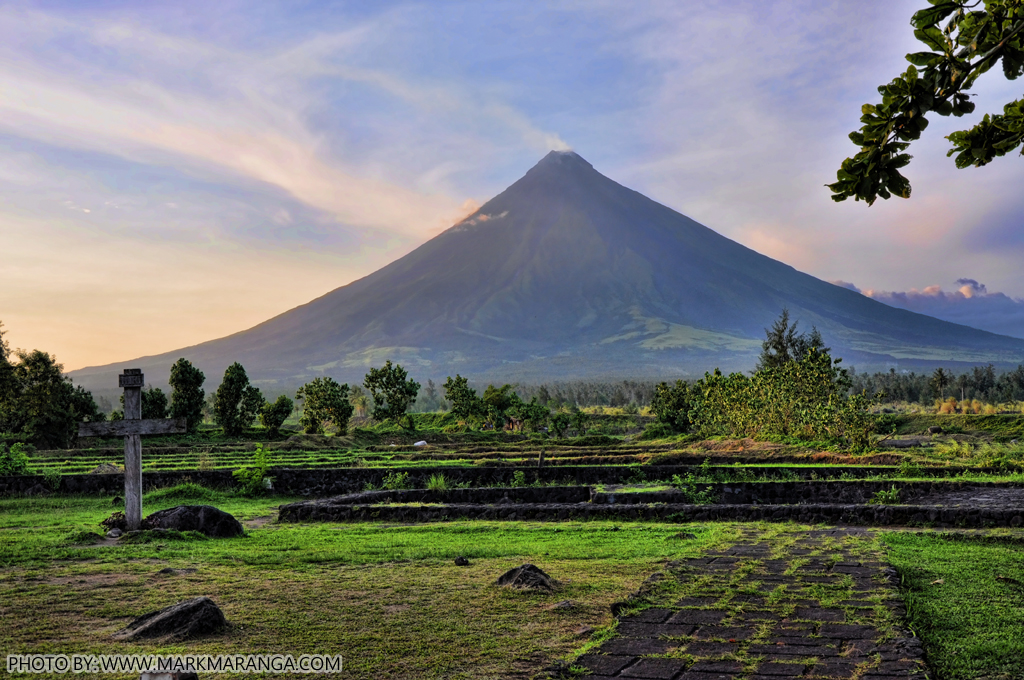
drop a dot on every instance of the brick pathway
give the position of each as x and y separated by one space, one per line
811 604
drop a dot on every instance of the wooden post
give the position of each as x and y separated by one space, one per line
132 381
132 427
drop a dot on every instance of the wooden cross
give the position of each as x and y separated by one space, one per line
132 428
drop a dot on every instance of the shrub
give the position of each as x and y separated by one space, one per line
13 460
324 402
395 481
518 478
688 486
52 477
273 414
886 497
254 479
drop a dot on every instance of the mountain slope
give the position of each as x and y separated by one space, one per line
567 274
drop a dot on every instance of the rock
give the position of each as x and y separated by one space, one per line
86 538
169 675
171 571
528 576
105 469
564 604
205 519
461 561
37 490
117 502
584 630
934 429
114 533
420 443
189 618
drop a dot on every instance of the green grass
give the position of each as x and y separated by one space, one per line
965 599
388 598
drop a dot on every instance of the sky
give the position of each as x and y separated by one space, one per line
175 172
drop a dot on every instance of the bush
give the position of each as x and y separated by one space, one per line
657 430
52 477
324 401
13 460
254 480
395 481
273 414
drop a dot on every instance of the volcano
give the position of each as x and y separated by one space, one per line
568 275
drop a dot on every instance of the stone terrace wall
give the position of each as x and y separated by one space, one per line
867 515
336 481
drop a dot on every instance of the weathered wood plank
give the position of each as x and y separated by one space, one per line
122 428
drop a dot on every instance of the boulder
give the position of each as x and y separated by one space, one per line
106 469
205 519
528 576
186 619
461 561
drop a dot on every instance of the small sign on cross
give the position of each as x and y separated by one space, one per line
132 428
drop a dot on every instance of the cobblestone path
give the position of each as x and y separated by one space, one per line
808 604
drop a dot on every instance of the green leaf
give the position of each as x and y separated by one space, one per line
924 58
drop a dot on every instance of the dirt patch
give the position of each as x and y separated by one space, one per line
257 522
88 581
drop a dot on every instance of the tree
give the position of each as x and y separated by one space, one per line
970 43
42 406
154 403
671 405
187 394
358 398
783 344
84 408
392 392
465 403
324 401
236 402
940 381
560 422
273 415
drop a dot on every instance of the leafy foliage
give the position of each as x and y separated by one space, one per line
324 402
392 392
671 406
970 43
783 344
254 479
395 481
560 422
187 394
236 402
273 414
465 403
13 460
39 403
798 392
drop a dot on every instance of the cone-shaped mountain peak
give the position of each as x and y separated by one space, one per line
567 274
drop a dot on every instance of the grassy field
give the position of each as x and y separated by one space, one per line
387 598
965 599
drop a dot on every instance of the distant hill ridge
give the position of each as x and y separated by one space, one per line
567 274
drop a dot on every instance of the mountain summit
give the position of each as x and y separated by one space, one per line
567 274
